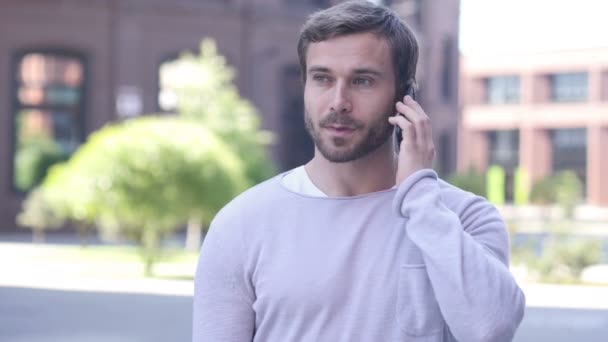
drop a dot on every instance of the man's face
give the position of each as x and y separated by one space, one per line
349 94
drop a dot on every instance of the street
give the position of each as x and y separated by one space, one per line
563 325
41 315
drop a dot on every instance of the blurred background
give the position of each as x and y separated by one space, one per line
126 124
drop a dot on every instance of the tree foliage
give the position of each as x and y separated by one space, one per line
472 181
204 88
144 177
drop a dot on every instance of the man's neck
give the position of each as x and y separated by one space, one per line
371 173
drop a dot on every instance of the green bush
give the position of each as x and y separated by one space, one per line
472 181
563 188
564 259
145 177
32 160
543 192
38 215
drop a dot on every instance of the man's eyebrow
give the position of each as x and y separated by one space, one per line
315 68
358 71
374 72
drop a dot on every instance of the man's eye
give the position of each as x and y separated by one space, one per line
321 78
363 81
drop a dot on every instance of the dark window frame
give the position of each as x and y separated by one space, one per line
16 107
556 91
505 99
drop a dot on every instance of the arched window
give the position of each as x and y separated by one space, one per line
48 112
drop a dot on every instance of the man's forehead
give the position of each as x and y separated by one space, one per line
363 51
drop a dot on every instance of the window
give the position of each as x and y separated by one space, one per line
297 146
446 68
568 87
570 151
502 89
444 153
48 112
504 148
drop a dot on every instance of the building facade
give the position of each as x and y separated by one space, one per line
68 67
545 112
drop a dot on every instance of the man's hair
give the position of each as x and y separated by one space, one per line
361 16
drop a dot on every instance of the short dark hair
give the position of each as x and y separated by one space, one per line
360 16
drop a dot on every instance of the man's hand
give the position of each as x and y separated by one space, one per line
417 150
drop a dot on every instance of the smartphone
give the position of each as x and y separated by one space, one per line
411 91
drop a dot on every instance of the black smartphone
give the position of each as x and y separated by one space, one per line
411 91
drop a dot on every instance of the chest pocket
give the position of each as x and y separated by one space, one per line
418 312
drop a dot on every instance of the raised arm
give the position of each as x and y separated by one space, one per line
466 252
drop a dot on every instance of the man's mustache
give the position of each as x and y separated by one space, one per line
335 118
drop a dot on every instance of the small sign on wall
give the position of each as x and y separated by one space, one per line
129 101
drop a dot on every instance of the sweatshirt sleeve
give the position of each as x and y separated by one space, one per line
223 295
466 253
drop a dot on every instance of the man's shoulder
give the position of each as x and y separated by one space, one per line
453 191
458 200
257 198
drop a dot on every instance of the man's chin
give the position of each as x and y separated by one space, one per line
341 154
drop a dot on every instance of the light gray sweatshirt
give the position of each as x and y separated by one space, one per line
423 262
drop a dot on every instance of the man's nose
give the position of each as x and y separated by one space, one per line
341 102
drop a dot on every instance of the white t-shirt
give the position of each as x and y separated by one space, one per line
297 180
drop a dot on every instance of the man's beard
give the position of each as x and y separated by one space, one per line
377 133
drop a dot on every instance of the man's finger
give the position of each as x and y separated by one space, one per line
408 131
420 121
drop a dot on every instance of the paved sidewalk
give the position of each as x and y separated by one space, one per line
38 275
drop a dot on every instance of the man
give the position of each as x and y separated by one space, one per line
361 243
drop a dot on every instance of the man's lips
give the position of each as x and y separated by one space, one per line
340 130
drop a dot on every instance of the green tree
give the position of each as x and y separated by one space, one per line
205 92
38 215
145 177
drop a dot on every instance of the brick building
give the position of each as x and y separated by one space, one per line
70 66
543 111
